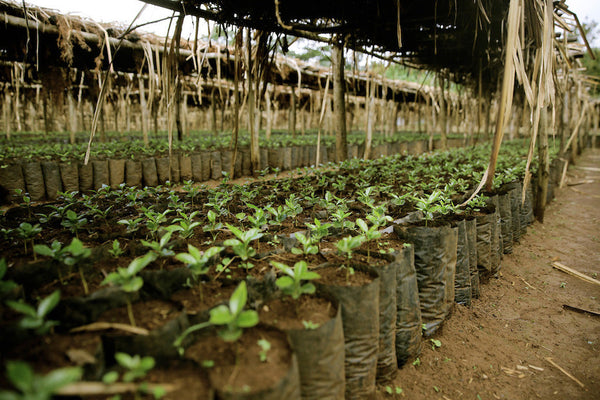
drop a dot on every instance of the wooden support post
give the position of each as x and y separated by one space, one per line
144 111
72 116
369 103
213 112
6 112
339 104
293 111
254 133
236 98
543 168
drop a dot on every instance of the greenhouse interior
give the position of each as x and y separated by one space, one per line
356 199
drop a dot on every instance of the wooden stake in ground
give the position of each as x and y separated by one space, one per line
575 273
561 369
339 104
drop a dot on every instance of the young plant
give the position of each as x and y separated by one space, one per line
28 232
292 283
116 251
73 222
198 261
292 206
232 318
259 219
162 248
241 246
278 215
369 233
345 247
35 318
127 279
187 224
135 367
132 224
308 246
265 346
339 218
318 230
213 226
36 387
26 200
192 191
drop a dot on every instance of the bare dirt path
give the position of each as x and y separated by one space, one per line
499 347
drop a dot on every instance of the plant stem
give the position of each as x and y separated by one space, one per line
84 282
130 313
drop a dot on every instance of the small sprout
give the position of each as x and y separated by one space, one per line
435 343
416 362
310 325
563 284
207 363
265 346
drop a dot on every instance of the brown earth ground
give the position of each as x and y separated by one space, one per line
499 347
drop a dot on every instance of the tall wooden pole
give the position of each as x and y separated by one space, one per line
339 104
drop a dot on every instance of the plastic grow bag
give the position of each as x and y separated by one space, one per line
462 281
360 318
435 251
408 308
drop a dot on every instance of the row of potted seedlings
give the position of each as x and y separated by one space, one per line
136 165
326 290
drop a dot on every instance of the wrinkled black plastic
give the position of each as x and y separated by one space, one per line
320 355
408 308
435 252
360 318
506 223
462 281
471 231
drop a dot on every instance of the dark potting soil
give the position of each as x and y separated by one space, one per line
288 313
334 274
149 314
203 296
229 356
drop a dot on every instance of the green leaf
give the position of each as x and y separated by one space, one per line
247 319
48 304
296 251
220 315
238 298
232 242
308 288
133 285
125 360
43 250
61 377
186 258
20 375
284 268
22 308
284 282
140 263
362 225
110 377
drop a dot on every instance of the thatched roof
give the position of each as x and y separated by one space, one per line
456 36
46 39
